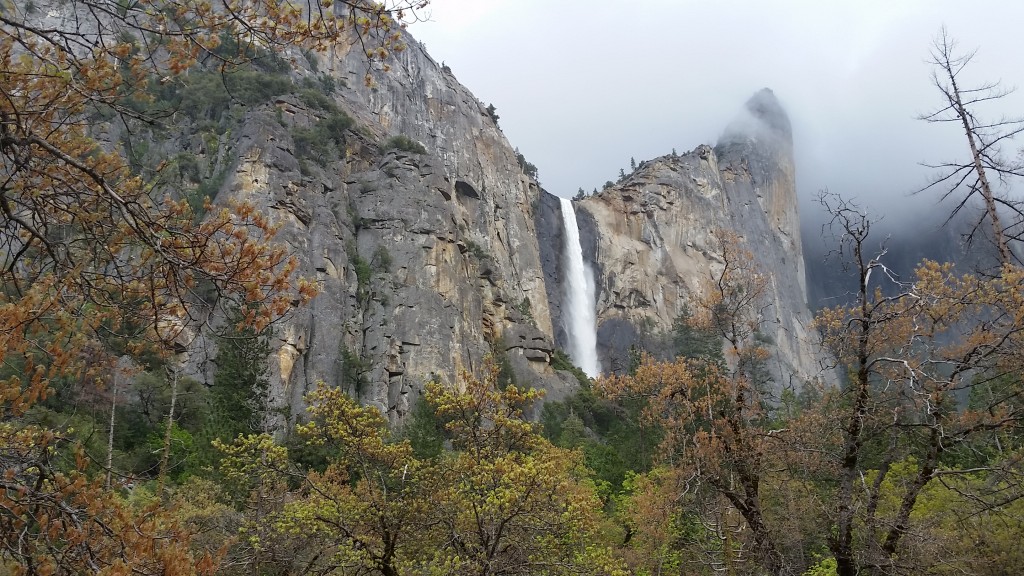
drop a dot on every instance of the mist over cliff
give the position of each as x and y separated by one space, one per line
903 234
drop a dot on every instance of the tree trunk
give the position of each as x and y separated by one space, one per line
110 430
979 170
167 435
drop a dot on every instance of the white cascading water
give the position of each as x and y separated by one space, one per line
579 311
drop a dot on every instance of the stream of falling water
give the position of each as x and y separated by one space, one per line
579 314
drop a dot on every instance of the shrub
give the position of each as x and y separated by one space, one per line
314 98
560 361
363 271
528 168
208 188
424 430
335 126
188 167
493 113
405 144
326 135
310 142
526 309
477 250
210 94
353 371
327 83
381 260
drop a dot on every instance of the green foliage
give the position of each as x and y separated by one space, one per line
312 60
614 439
493 113
136 151
357 221
825 567
209 95
208 188
381 260
328 84
424 431
240 385
314 98
188 167
237 399
692 341
527 168
186 456
405 144
526 309
561 361
364 272
478 251
324 139
140 425
506 376
353 372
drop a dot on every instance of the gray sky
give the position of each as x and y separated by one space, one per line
583 86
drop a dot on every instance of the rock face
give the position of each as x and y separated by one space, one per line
651 238
430 260
427 262
435 249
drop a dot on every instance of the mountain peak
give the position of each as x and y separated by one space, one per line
764 106
762 116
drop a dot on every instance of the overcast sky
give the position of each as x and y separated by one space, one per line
582 86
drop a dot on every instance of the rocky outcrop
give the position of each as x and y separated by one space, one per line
654 238
438 250
427 260
432 248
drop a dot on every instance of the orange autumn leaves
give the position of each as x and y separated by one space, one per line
849 473
96 256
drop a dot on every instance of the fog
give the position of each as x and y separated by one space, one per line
583 87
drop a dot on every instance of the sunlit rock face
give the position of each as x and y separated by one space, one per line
653 239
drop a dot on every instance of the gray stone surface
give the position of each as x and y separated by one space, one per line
455 227
460 252
656 238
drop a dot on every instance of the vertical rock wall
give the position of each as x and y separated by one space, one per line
655 238
426 262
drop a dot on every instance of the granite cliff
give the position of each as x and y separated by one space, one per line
438 250
427 258
651 239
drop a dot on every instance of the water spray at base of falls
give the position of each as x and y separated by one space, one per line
579 309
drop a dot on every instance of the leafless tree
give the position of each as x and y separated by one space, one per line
989 171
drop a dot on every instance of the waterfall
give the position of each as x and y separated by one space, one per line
579 309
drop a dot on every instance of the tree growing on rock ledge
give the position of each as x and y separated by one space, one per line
91 251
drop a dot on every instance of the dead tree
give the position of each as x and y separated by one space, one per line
987 167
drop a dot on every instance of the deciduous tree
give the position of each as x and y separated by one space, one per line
913 359
718 432
92 250
512 503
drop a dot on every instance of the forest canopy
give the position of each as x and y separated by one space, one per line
692 462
